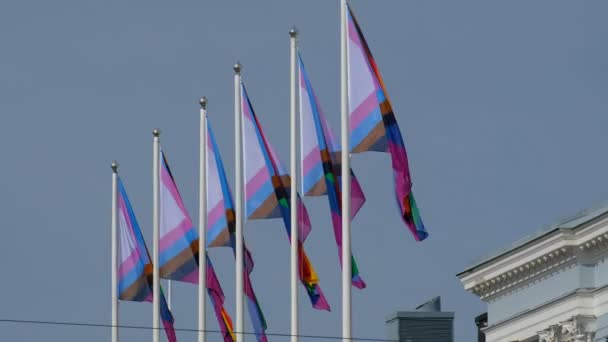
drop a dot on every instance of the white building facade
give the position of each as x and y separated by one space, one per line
552 286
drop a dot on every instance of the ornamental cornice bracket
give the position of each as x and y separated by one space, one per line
514 276
597 242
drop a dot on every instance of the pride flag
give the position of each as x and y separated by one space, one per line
373 126
321 164
267 191
221 227
214 289
135 269
179 247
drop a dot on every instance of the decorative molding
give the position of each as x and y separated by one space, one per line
523 273
585 237
576 329
551 261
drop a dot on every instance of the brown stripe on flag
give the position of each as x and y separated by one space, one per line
286 181
131 292
180 259
276 181
265 209
325 156
319 189
221 240
271 202
375 134
385 107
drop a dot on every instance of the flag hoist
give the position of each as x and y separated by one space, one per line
293 34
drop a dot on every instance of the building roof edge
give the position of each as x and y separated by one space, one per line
570 223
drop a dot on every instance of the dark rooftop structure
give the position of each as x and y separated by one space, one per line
426 324
481 322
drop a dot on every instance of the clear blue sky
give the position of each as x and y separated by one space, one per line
503 104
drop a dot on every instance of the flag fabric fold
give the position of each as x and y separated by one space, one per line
267 191
135 269
179 241
221 227
373 126
321 164
179 247
216 294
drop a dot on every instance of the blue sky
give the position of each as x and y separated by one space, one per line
502 104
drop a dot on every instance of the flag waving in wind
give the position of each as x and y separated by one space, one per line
267 189
135 269
221 227
179 247
373 126
214 289
321 164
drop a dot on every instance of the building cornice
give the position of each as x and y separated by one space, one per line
548 254
544 264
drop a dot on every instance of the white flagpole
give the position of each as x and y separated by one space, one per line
156 235
293 34
169 294
346 253
202 221
114 251
238 131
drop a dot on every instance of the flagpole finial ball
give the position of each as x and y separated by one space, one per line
203 102
156 132
293 33
237 68
114 166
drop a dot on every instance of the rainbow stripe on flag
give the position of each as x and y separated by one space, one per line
221 227
373 126
267 189
214 289
135 269
321 164
179 247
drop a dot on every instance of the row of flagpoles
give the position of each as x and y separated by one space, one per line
264 189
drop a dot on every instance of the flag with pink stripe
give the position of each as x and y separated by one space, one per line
320 166
179 243
267 191
217 300
178 237
135 268
221 227
373 126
